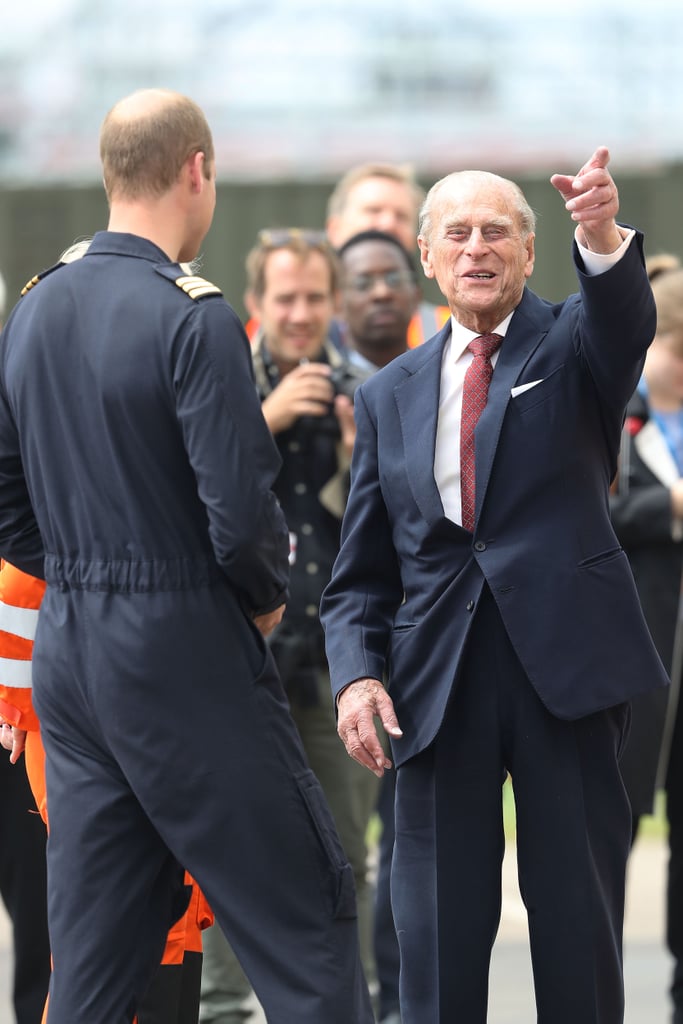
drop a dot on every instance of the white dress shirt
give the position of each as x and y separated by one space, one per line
456 359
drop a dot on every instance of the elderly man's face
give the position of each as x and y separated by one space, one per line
477 252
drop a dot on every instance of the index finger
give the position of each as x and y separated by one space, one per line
600 158
569 184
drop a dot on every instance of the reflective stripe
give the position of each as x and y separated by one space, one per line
16 674
20 621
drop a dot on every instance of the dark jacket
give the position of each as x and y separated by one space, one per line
312 487
407 579
135 471
156 470
641 513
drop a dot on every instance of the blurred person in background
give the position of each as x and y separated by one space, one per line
306 389
23 883
386 197
647 512
378 296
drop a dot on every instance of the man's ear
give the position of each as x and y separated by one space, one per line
252 304
425 257
195 166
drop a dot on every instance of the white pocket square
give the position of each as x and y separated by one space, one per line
524 387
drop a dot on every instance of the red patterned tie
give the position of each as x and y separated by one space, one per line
474 393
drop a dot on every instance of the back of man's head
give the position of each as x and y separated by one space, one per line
145 140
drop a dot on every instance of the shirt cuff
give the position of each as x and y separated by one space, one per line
598 262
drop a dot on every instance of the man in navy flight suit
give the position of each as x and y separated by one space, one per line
135 475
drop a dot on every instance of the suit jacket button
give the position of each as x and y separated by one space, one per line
470 606
479 546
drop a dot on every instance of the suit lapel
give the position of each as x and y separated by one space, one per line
418 410
418 413
527 330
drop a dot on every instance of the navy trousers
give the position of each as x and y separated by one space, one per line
573 838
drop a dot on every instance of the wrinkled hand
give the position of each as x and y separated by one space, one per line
304 391
357 705
12 739
593 201
343 409
267 622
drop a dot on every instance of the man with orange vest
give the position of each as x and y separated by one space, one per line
173 997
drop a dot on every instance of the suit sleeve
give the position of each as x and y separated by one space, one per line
20 540
233 455
616 325
360 602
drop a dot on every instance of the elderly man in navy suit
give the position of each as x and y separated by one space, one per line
482 607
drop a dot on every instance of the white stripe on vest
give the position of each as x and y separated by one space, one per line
20 621
16 674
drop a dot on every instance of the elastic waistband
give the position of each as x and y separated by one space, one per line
131 576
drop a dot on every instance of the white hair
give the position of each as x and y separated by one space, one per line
482 179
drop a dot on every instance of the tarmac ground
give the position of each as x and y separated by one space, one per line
647 964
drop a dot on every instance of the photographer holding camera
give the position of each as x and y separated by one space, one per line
306 388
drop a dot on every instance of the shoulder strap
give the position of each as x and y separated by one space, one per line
196 287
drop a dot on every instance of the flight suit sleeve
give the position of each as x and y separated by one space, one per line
232 453
20 540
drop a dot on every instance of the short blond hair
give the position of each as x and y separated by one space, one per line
145 140
404 174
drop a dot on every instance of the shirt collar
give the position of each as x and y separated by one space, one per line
462 336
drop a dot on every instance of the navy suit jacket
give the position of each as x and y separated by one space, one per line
407 580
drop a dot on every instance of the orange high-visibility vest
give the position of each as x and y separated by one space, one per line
428 320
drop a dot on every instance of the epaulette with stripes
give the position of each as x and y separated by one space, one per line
39 277
196 287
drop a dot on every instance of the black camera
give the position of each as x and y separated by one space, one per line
345 379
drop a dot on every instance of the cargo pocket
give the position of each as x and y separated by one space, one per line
336 869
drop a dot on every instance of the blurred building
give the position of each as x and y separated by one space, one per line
296 89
